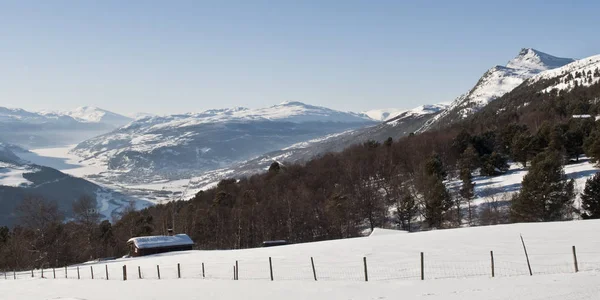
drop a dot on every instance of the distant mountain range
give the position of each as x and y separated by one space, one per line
177 146
44 129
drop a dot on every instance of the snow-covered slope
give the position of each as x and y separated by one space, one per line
383 114
92 114
496 82
583 72
177 146
456 266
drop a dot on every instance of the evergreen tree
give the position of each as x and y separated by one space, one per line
546 193
493 164
520 148
388 142
437 201
590 198
467 190
592 145
274 167
435 167
469 159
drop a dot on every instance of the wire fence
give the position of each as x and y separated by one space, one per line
421 266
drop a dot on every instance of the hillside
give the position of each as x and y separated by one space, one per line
20 179
180 146
496 82
459 270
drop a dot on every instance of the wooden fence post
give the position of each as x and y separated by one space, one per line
139 272
78 277
32 273
312 262
237 271
42 272
422 266
203 276
92 271
66 274
366 272
526 256
233 272
158 271
106 267
492 258
14 275
178 271
54 273
124 272
575 260
271 268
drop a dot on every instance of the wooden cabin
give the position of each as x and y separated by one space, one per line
148 245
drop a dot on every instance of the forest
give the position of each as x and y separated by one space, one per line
390 183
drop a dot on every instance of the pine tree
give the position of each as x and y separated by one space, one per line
520 148
591 145
437 201
546 193
590 198
467 164
435 167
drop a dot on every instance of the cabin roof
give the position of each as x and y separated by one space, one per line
159 241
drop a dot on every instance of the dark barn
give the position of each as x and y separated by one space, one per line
148 245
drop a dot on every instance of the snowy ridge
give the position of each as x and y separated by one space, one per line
583 72
90 114
422 110
498 81
383 114
295 112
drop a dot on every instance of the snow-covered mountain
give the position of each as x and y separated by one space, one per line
496 82
90 114
43 129
383 115
176 146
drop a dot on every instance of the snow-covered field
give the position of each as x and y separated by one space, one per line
457 265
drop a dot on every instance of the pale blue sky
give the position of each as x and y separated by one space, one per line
179 56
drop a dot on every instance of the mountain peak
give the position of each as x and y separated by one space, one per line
532 59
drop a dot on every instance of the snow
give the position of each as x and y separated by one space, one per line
589 64
456 261
286 111
161 241
422 110
383 114
500 80
502 187
582 286
61 159
12 175
90 114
